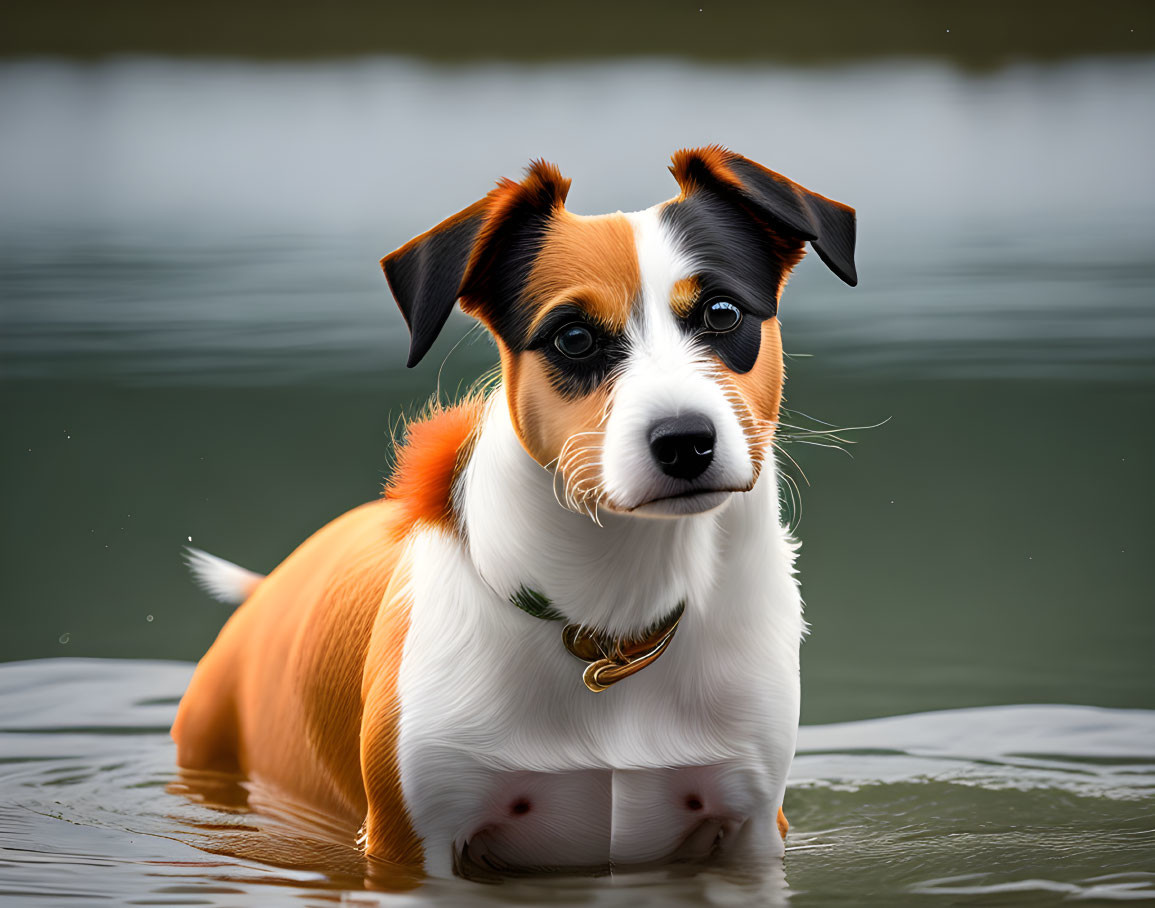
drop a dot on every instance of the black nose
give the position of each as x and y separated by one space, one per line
683 446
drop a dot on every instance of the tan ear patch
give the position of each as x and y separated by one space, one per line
590 261
691 165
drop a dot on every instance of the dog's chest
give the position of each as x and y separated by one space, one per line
529 769
504 752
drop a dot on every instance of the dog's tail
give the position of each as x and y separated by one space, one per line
224 581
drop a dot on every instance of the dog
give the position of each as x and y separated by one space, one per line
567 636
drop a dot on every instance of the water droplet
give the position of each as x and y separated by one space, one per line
148 617
64 638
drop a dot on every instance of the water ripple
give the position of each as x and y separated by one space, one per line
945 805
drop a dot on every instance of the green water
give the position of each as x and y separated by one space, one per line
969 554
195 342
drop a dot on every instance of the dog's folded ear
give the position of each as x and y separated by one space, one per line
781 204
480 255
426 272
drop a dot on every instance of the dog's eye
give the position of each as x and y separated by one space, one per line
575 341
721 316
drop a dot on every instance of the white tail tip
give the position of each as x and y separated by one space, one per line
224 581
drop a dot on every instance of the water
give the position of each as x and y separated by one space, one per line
1020 803
196 342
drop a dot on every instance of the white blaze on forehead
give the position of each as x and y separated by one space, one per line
656 339
666 374
661 264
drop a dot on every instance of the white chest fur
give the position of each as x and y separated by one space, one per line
503 749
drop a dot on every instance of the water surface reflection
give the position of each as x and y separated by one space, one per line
943 803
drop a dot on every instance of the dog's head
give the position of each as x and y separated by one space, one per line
640 352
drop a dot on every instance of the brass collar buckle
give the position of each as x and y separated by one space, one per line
613 658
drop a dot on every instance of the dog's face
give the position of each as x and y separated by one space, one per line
640 352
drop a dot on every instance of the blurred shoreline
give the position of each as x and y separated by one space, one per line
976 35
185 221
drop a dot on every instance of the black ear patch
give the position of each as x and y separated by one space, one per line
425 275
781 204
481 255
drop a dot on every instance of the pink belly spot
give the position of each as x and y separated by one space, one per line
601 819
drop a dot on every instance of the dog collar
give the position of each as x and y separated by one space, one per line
610 659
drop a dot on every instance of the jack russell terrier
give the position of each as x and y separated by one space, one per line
566 638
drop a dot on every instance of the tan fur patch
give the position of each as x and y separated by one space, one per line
688 165
542 191
436 445
684 296
591 261
761 387
555 429
281 694
757 395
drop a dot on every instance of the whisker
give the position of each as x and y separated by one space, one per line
795 494
818 444
785 453
578 466
806 416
